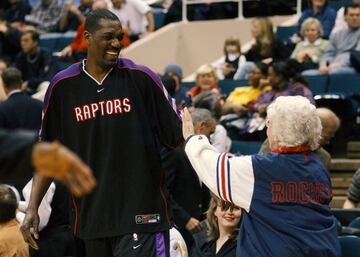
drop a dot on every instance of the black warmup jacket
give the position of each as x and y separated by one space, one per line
117 127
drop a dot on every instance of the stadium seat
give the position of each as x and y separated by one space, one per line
350 246
355 223
318 84
341 104
283 33
228 85
187 85
159 17
345 216
344 84
245 147
337 4
55 42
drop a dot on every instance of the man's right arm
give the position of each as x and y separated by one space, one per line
330 51
30 226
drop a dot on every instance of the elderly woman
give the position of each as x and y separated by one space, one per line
309 51
321 11
285 194
206 81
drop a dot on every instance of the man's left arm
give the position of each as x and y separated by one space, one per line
163 112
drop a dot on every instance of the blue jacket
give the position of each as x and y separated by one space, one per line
326 16
285 198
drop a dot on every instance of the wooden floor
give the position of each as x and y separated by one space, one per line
342 171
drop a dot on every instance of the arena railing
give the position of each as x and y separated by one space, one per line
185 3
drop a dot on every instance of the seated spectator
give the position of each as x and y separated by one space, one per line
320 11
309 51
213 102
9 39
76 51
3 66
73 16
206 80
15 15
285 194
19 111
336 59
11 239
230 65
251 124
353 195
238 99
340 22
188 204
46 16
218 236
181 94
136 17
36 64
267 47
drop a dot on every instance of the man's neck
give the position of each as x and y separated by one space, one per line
13 91
96 71
352 29
33 52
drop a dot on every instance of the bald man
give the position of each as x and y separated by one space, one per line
330 124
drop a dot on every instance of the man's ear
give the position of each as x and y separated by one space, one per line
201 126
87 36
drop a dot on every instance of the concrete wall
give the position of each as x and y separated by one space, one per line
189 44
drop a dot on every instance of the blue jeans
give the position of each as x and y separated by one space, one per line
340 70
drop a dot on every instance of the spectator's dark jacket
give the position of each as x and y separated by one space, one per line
354 189
36 69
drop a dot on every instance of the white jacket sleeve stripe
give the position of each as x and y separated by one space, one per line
217 174
210 167
229 178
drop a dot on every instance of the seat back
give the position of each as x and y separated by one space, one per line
317 84
245 147
344 84
355 223
350 246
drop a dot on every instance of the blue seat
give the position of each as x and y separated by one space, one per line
344 84
350 246
341 104
283 33
228 85
187 85
345 216
159 17
318 84
337 4
55 42
355 223
245 147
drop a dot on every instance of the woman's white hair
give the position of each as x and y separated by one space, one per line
294 122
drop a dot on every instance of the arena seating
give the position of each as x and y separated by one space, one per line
350 245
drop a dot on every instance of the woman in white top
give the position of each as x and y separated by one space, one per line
308 52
